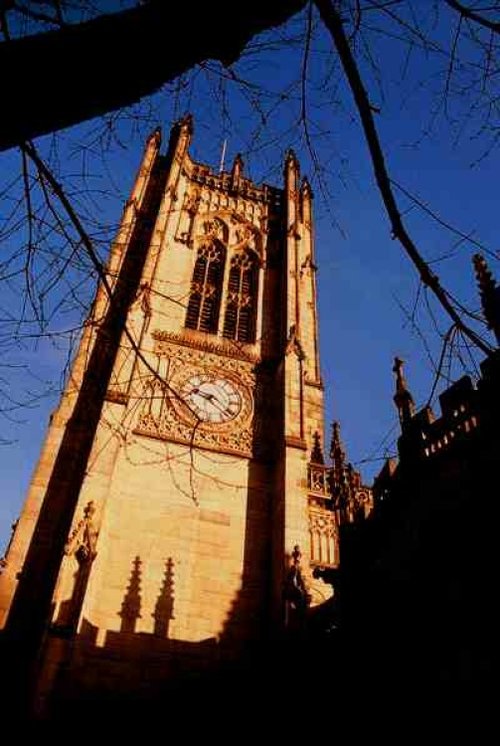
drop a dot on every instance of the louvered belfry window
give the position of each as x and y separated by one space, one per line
241 304
206 288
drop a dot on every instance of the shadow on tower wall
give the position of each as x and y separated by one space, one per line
131 672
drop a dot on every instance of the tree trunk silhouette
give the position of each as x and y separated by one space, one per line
116 59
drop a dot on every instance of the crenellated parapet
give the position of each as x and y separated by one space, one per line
466 408
426 437
203 175
459 420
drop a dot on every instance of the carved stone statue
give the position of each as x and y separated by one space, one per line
296 592
83 539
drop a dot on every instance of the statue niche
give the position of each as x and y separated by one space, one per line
80 552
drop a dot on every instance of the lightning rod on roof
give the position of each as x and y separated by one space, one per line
222 156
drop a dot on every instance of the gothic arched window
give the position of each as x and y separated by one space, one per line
241 305
206 288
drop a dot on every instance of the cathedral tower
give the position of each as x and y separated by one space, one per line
182 482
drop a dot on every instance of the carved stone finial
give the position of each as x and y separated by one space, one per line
337 449
338 456
293 343
237 166
180 133
292 170
236 172
305 203
155 136
489 293
402 398
483 273
317 451
186 123
305 187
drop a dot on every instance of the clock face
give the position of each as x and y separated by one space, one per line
212 398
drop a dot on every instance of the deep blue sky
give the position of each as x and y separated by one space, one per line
363 277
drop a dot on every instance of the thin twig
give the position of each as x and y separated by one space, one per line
472 15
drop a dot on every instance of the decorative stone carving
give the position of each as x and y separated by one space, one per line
143 299
308 266
187 215
324 536
317 451
192 201
318 479
293 344
235 226
365 501
4 560
116 397
243 234
296 591
215 228
138 318
219 346
322 522
83 539
166 415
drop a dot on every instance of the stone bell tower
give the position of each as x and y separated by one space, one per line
182 477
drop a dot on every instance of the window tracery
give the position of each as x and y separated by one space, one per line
206 288
323 537
224 287
241 301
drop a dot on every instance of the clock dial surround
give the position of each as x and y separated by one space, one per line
213 398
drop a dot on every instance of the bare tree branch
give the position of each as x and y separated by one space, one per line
29 150
472 15
333 22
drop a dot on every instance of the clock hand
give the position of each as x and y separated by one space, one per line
215 401
199 392
210 398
